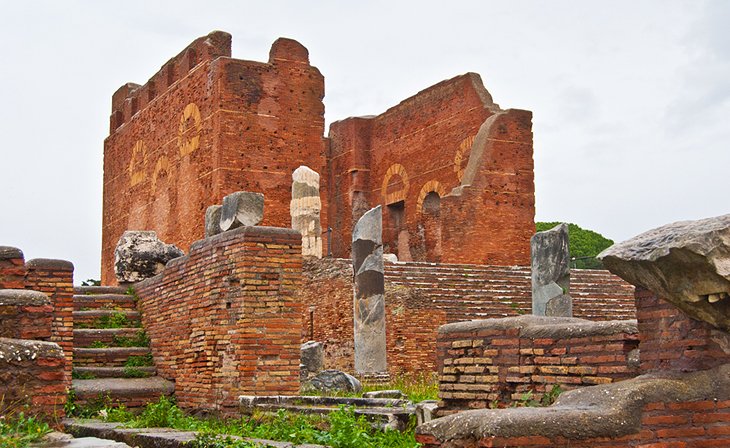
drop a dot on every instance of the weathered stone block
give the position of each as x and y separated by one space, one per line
305 207
240 209
140 255
551 273
687 263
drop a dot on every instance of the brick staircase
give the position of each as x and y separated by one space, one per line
467 292
112 358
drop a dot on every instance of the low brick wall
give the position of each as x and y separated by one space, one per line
225 320
55 278
32 373
496 361
12 268
420 297
25 315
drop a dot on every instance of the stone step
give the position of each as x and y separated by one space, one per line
105 318
132 392
85 337
100 290
107 357
84 302
114 372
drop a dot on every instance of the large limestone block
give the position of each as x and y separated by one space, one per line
687 263
551 273
240 209
140 255
312 356
369 301
305 210
333 381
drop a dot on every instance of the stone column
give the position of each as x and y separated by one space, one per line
369 301
551 273
304 209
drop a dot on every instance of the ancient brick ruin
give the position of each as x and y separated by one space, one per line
207 125
427 269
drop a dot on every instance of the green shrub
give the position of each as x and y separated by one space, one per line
17 428
140 339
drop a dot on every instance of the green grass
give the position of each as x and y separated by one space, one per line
17 428
417 387
98 344
340 429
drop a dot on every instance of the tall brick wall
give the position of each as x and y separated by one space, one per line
55 279
204 126
411 158
225 320
420 297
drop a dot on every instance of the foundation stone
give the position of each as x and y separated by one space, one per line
369 300
551 273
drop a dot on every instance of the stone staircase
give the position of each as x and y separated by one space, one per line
112 358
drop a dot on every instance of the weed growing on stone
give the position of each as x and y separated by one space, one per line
75 374
114 320
17 429
140 339
139 361
98 344
133 372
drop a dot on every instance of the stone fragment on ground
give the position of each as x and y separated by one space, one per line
140 254
392 393
333 381
62 440
241 209
686 263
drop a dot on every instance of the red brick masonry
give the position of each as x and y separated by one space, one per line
225 320
420 297
682 400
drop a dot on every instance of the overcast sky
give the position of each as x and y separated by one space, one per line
631 99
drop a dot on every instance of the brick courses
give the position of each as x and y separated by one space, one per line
420 297
55 279
33 373
495 361
671 344
225 320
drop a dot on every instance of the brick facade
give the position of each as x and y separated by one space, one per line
420 297
204 126
412 158
207 125
225 320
